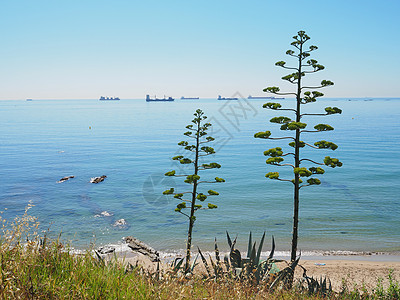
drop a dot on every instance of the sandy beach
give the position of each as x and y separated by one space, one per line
355 271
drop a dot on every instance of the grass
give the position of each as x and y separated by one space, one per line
43 269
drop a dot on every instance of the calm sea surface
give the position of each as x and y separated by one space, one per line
357 207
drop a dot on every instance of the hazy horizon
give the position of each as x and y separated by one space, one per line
82 50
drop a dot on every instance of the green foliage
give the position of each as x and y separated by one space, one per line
201 197
179 157
169 192
211 206
317 170
332 110
274 152
211 166
332 162
302 172
323 127
301 144
170 173
185 161
272 175
212 193
217 179
272 105
274 160
262 134
326 145
313 181
192 178
280 120
293 126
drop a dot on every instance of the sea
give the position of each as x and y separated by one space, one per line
356 209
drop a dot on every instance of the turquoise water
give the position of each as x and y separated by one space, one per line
355 208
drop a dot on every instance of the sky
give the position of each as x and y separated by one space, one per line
90 48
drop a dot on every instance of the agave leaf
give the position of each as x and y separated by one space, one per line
178 264
235 258
194 264
213 265
217 255
253 255
271 254
229 239
204 262
249 246
285 275
226 261
257 261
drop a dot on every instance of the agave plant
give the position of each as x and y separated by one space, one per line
250 268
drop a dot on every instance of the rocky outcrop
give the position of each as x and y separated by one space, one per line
98 179
140 247
65 178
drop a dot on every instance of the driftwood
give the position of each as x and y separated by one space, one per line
138 246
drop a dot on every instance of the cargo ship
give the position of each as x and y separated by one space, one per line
109 98
223 98
189 98
262 97
148 99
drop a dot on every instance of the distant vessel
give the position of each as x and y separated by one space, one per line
262 97
148 99
108 99
28 99
189 98
222 98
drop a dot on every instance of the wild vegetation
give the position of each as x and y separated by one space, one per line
304 94
35 267
199 149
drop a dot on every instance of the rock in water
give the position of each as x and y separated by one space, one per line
98 179
121 223
106 250
138 246
65 178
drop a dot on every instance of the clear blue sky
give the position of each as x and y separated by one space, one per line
87 48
